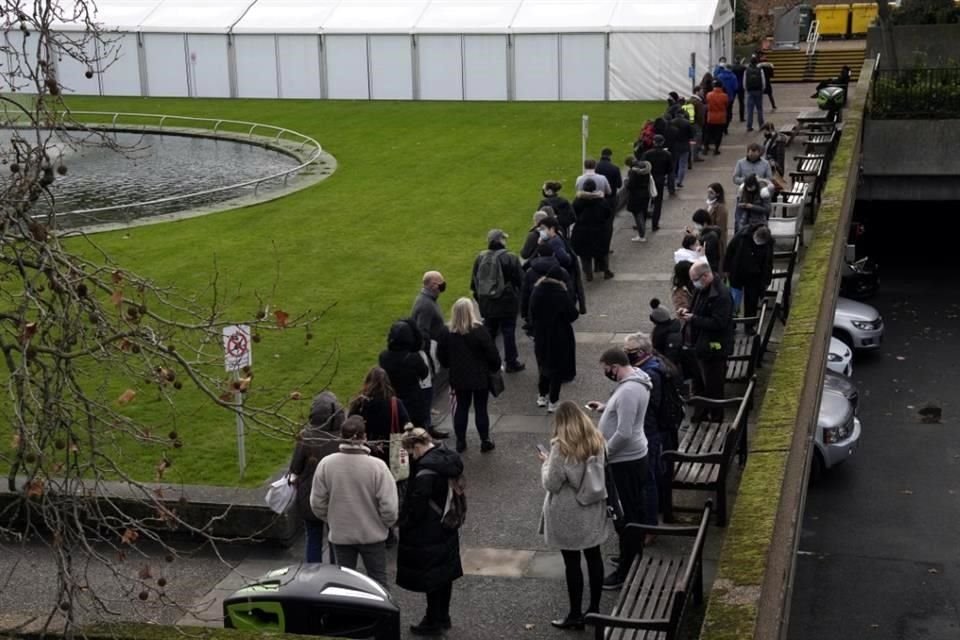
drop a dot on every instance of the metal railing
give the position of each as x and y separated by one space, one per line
233 130
813 37
916 94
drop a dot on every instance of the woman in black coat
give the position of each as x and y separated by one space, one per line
471 355
428 556
319 438
383 412
406 367
591 238
562 210
552 314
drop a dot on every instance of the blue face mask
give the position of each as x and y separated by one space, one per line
543 234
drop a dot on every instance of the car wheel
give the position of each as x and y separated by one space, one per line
843 337
817 466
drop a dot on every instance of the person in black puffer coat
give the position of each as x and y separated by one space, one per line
319 438
640 188
562 210
538 268
667 334
591 240
406 367
552 313
428 556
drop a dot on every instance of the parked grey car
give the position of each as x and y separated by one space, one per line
857 324
846 386
838 431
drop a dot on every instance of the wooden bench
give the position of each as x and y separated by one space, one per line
742 362
766 330
703 458
781 285
658 588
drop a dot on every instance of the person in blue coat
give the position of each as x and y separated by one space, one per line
731 86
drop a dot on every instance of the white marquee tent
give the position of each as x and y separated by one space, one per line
407 49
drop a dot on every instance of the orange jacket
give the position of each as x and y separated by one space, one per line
717 106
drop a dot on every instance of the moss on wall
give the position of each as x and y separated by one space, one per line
733 608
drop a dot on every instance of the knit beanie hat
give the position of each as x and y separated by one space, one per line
659 315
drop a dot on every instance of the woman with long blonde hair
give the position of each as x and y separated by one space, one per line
471 355
575 508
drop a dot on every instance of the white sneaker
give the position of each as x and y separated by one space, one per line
541 401
552 407
638 239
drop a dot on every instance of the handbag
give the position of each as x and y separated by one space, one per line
399 458
614 508
495 380
281 493
593 485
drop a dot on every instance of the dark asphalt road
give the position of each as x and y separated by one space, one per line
878 553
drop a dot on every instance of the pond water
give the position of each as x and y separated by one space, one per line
144 167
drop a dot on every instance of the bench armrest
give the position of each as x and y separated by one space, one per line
601 620
714 402
664 530
810 156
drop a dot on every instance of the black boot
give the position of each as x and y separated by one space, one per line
572 621
427 628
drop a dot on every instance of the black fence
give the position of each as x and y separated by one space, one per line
916 94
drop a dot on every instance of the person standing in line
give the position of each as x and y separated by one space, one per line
590 238
378 405
541 265
428 555
640 188
611 172
681 291
753 164
590 173
755 86
317 440
552 314
768 71
710 243
753 204
709 328
689 249
621 424
749 265
731 86
717 102
661 168
533 236
470 353
407 368
696 109
737 68
428 317
356 495
717 208
496 282
681 150
562 209
574 517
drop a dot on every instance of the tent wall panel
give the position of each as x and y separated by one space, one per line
209 65
485 67
441 67
647 66
536 67
122 76
166 64
299 66
71 73
20 59
256 66
391 67
347 67
583 64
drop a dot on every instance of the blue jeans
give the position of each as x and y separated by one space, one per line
314 547
681 169
737 295
509 328
754 101
652 487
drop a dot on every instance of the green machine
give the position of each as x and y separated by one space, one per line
314 599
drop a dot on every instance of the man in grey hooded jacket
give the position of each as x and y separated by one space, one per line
622 427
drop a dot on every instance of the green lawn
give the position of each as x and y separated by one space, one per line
417 187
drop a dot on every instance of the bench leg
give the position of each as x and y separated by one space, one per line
698 584
722 501
668 500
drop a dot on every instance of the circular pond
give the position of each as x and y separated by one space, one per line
142 167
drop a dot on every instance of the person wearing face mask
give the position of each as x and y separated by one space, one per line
753 204
428 318
774 146
717 208
709 333
621 423
709 236
562 209
689 249
428 554
681 293
533 236
542 263
749 265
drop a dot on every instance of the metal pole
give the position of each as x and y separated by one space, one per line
584 134
241 446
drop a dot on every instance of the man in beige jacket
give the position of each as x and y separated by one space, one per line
356 495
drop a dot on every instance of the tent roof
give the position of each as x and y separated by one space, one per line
286 16
552 16
409 16
195 16
467 16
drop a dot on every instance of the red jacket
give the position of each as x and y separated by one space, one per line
717 107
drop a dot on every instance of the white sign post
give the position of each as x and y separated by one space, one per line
237 354
584 134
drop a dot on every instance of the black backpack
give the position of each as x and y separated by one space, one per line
671 411
454 511
753 79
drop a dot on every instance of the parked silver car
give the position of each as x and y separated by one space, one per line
857 324
838 431
846 386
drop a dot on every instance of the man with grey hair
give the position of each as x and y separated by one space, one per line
426 311
356 495
710 334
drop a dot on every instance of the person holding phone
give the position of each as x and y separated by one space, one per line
574 517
